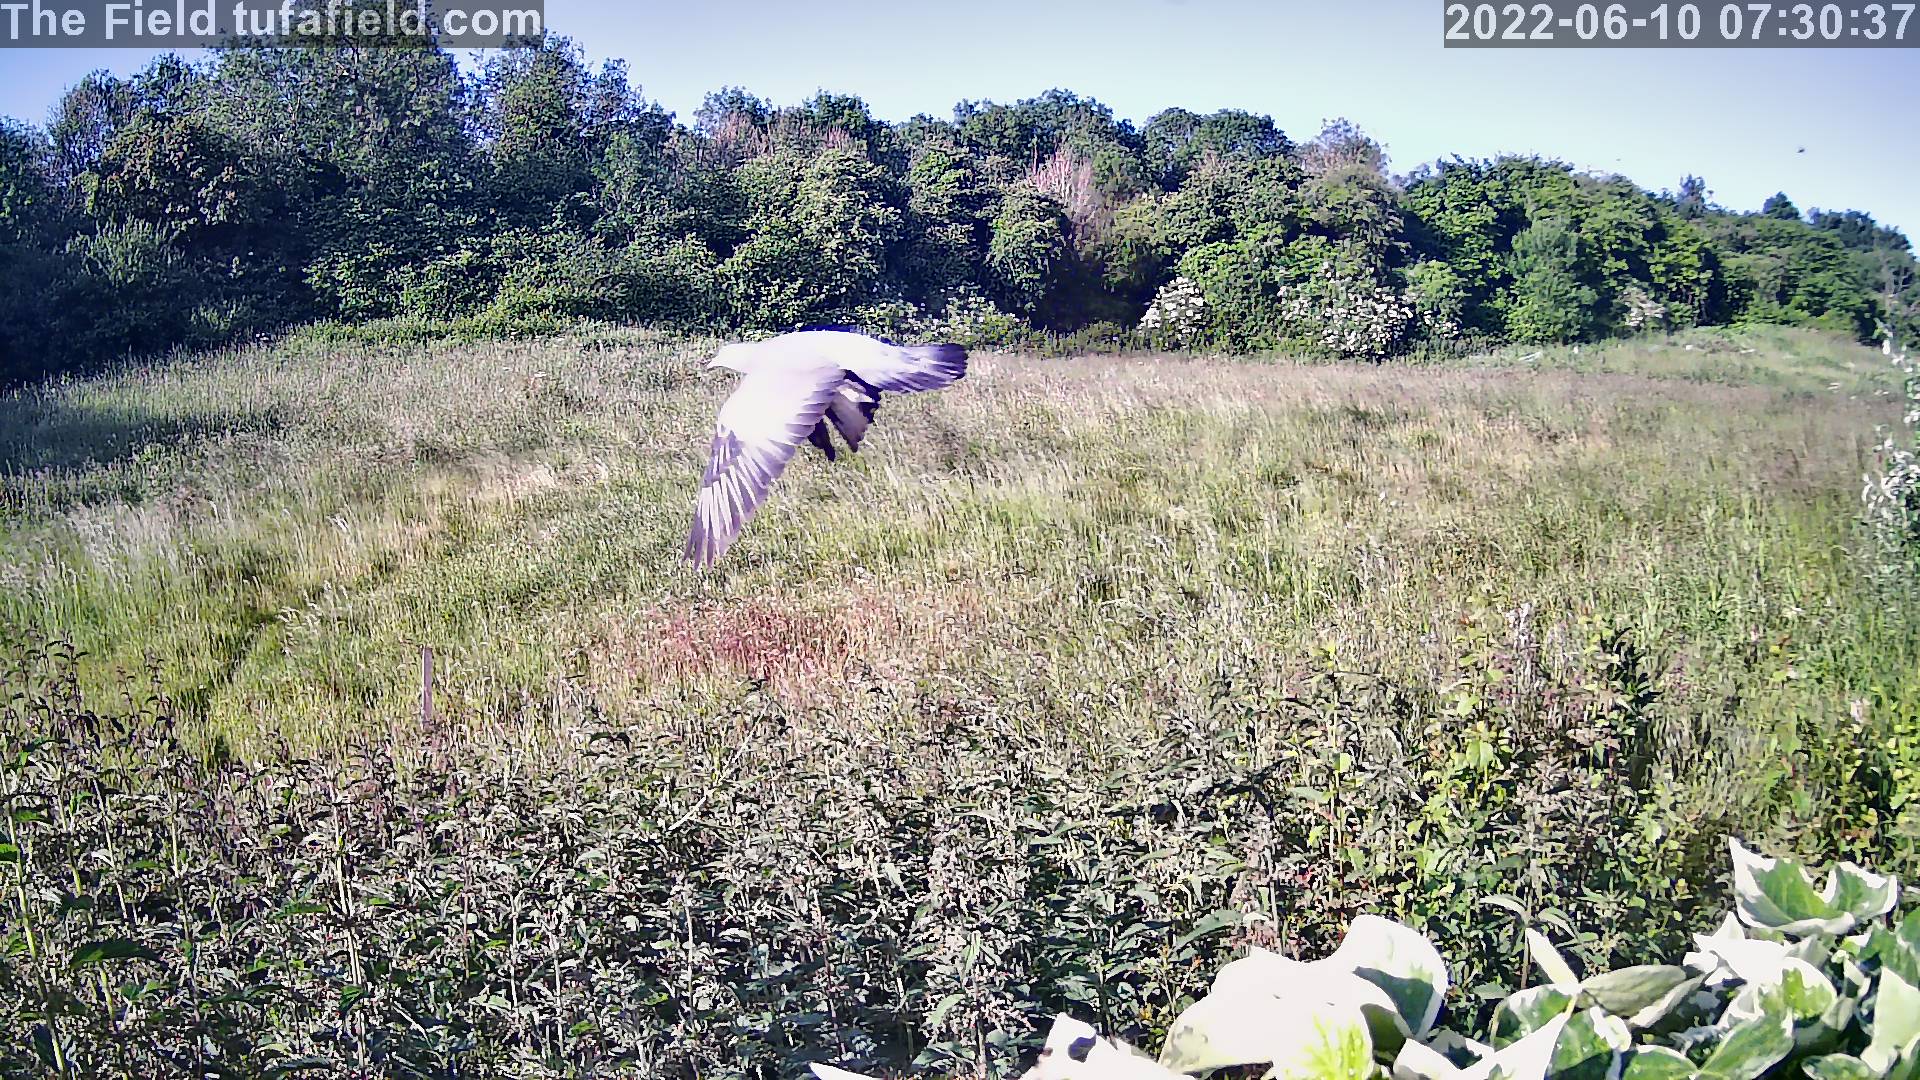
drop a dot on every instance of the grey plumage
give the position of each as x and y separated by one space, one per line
795 388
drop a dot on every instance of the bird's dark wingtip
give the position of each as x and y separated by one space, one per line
948 360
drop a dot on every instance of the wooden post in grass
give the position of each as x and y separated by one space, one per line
426 686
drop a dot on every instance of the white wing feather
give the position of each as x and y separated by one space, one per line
760 426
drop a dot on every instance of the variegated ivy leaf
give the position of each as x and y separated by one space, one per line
1642 995
1656 1063
1528 1058
1075 1051
1527 1011
1778 895
1750 1049
1589 1046
1244 1023
1896 1021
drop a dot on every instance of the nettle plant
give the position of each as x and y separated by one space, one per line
1803 979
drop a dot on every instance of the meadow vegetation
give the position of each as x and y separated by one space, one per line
1085 675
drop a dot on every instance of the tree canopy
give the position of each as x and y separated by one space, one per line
193 202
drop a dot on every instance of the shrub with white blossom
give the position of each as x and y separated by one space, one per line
1178 314
1347 316
1640 311
1892 497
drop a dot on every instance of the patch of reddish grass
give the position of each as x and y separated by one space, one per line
799 648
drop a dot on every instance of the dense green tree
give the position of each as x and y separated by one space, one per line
27 194
1780 207
1029 254
196 200
1174 141
1784 270
1691 203
1551 302
180 174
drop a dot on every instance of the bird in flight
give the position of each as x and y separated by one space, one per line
795 385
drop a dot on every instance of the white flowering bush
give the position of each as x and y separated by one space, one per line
1640 311
1347 316
1178 315
1892 496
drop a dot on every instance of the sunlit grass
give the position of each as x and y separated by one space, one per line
282 528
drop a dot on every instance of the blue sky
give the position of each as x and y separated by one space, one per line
1737 117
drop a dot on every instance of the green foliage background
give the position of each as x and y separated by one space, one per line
196 203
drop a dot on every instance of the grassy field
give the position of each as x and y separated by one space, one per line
1545 624
281 529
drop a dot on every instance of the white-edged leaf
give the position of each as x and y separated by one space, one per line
1750 1049
1643 994
1656 1063
1527 1011
1417 1061
1356 974
1458 1048
1838 1067
1399 960
1862 894
1075 1051
1551 963
828 1072
1526 1059
1752 960
1777 894
1590 1045
1241 1025
1896 1021
1798 989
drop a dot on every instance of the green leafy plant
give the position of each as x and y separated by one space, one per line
1803 975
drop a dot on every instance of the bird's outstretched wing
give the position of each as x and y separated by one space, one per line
910 369
760 426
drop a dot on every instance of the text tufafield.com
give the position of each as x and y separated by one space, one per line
201 23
